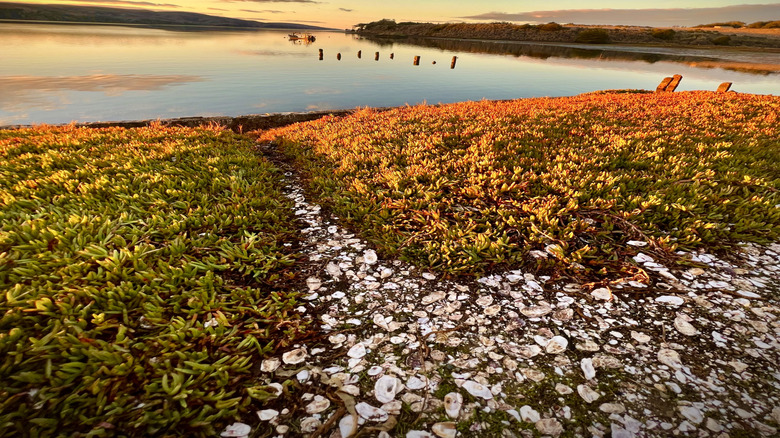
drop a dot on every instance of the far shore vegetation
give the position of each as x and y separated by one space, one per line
710 34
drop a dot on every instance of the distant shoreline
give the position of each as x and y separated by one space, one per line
576 34
164 26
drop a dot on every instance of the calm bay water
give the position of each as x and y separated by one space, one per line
64 73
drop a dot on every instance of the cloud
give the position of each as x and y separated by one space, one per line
264 11
346 10
131 3
217 9
271 1
640 17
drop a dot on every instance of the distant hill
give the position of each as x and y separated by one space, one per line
136 17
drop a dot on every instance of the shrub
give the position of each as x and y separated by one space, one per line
551 27
757 25
663 34
593 36
722 40
734 24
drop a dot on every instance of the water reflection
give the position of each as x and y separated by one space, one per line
57 74
20 93
736 60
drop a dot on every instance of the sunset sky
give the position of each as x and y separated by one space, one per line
345 13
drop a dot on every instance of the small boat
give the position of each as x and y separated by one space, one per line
307 37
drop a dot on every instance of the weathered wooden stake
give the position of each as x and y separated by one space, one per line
321 54
452 64
392 55
416 60
675 82
360 54
376 56
338 56
662 86
724 87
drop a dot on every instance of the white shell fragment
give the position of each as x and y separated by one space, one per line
313 283
318 405
602 293
670 300
587 393
270 365
414 383
310 424
684 327
669 358
529 414
453 402
557 345
357 351
587 368
370 257
445 430
347 426
267 414
536 311
371 413
549 426
294 357
477 390
419 434
236 430
692 414
386 387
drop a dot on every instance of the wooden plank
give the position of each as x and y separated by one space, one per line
662 86
675 82
724 87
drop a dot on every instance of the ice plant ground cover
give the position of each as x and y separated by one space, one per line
554 183
152 279
143 276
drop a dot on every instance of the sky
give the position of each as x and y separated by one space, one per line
343 14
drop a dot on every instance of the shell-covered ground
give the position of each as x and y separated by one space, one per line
600 265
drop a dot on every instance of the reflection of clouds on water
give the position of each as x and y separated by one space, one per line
322 91
19 93
273 53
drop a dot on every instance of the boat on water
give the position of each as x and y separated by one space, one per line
307 37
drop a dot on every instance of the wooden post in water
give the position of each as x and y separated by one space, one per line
724 87
662 86
376 56
675 82
360 54
452 64
321 55
338 56
392 55
416 60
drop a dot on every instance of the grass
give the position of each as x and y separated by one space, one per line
474 187
142 278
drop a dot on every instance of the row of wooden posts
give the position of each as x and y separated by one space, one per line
670 84
416 60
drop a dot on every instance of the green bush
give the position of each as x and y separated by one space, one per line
723 40
551 27
663 34
593 36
